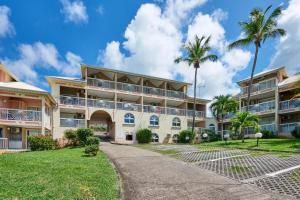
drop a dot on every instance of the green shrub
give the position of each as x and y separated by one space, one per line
184 134
91 150
71 136
212 135
42 142
83 134
296 132
144 136
268 134
93 141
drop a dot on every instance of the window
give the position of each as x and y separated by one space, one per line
212 127
129 118
176 122
155 137
154 120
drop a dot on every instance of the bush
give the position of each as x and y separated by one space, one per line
212 135
42 142
186 133
93 141
91 150
268 134
71 135
83 134
296 132
144 136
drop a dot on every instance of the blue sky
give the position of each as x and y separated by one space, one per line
48 37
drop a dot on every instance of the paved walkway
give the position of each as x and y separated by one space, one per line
149 175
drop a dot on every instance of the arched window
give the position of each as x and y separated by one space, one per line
155 137
154 120
212 127
129 118
176 122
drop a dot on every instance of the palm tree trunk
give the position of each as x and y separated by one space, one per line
250 82
195 93
222 128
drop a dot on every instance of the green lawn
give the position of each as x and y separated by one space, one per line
265 144
57 174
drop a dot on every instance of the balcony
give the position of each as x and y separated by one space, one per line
290 105
288 127
260 87
72 123
154 109
176 111
198 114
73 101
99 103
3 143
129 106
20 115
175 94
265 107
153 91
267 127
101 83
129 87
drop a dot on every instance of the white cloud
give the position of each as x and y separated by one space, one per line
32 56
6 27
288 48
74 11
100 10
155 37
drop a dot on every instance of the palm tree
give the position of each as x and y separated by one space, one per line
257 30
222 105
242 120
197 53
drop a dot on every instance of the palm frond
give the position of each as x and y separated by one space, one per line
240 43
211 57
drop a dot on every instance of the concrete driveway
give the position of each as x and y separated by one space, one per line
149 175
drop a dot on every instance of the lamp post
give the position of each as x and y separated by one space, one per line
258 136
205 136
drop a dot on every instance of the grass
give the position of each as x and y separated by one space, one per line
241 169
151 147
292 145
57 174
295 176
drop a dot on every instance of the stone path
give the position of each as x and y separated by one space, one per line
149 175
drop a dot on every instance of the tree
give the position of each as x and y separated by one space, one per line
222 105
196 54
257 30
242 120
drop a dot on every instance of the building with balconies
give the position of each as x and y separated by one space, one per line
118 103
24 110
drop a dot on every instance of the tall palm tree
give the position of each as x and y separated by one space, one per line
242 120
257 30
196 54
222 105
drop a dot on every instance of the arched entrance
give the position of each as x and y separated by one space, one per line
102 124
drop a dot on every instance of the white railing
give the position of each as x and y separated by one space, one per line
198 114
290 104
176 111
153 91
101 83
20 115
288 127
175 94
71 122
129 87
3 143
69 100
268 127
154 109
99 103
261 107
129 106
261 86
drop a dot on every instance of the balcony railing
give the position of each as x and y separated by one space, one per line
176 111
175 94
267 127
101 83
75 101
71 122
261 107
3 143
129 106
20 115
154 109
153 91
198 114
290 104
97 103
261 86
129 87
288 127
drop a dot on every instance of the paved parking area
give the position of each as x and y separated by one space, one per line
270 172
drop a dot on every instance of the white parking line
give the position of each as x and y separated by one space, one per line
283 171
228 157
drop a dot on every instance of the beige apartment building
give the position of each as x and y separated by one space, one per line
24 110
119 103
273 99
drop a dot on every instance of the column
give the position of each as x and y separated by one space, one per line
276 107
43 115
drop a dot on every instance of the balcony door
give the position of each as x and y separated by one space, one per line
15 138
